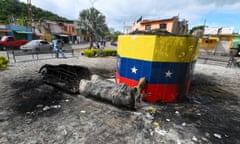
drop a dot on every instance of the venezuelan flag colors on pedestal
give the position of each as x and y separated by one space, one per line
165 61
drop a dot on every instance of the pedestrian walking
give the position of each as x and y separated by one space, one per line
57 48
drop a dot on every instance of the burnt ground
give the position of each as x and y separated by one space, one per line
34 112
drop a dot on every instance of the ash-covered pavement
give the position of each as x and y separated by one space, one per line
33 112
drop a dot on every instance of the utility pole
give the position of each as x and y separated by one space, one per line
91 21
30 18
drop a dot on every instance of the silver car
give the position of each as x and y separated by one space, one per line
37 46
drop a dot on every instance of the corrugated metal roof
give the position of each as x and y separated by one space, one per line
218 30
226 30
211 31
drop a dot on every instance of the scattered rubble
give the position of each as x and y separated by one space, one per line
73 118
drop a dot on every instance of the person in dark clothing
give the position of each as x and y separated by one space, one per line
97 45
236 60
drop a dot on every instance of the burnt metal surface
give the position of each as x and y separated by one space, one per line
65 77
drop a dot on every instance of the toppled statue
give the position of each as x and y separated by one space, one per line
117 94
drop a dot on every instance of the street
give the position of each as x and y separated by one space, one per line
34 112
24 57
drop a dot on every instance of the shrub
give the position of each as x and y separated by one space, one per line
95 51
99 52
3 62
88 53
109 52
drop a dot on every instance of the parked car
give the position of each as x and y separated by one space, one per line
37 46
113 43
11 42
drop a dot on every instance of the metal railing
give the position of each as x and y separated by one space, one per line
221 60
12 54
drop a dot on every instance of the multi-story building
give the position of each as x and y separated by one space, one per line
217 40
69 30
20 32
172 25
58 30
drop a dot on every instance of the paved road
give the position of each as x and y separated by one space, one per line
86 45
68 53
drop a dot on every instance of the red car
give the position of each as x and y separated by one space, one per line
11 42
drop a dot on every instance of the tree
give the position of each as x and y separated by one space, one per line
92 23
19 10
201 27
115 35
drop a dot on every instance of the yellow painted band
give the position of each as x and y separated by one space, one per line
158 48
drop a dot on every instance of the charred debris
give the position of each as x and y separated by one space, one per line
78 79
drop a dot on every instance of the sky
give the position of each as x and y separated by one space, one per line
120 13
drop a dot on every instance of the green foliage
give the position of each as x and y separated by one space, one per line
107 35
115 35
19 10
112 36
109 52
99 52
90 52
201 27
93 22
3 62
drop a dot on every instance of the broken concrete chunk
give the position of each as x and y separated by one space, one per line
194 139
46 108
161 132
217 136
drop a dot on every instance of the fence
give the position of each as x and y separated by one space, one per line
35 55
207 58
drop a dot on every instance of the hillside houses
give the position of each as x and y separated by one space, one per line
43 29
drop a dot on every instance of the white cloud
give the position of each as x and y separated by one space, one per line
120 12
